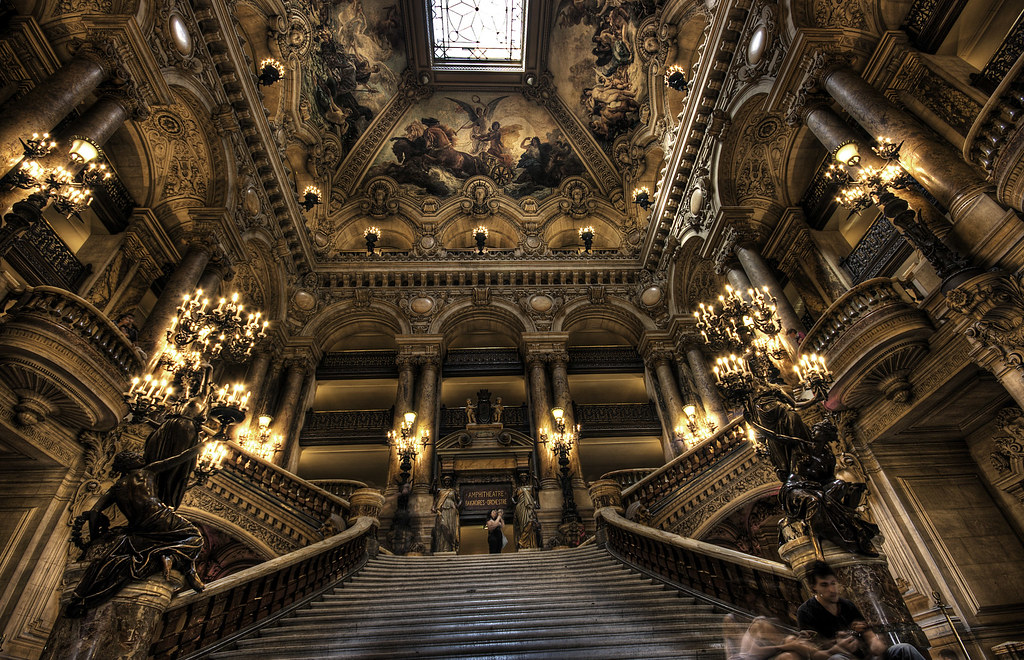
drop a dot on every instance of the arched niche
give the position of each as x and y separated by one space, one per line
608 324
342 327
496 325
458 233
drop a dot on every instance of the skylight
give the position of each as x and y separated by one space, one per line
477 33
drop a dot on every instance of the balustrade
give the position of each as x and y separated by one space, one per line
342 488
228 607
880 250
355 364
603 419
731 579
336 426
42 258
657 489
628 477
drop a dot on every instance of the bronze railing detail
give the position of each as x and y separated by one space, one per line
730 579
626 478
196 621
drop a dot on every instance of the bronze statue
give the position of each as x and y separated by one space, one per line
156 538
806 466
525 520
446 523
177 434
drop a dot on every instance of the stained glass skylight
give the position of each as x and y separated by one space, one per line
472 33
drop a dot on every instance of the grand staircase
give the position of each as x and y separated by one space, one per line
578 603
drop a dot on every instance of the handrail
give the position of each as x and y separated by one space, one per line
670 477
315 502
197 620
342 488
629 476
848 309
81 318
730 579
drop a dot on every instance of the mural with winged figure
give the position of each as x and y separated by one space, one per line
446 139
598 59
357 59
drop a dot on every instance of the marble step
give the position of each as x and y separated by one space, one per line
410 589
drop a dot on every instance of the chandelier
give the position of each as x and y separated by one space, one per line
561 440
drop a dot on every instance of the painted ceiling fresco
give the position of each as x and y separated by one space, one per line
449 137
597 54
355 66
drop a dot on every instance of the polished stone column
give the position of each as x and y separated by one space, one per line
714 407
737 278
256 380
938 166
217 271
761 276
182 282
540 405
404 402
660 362
563 399
426 416
287 412
45 105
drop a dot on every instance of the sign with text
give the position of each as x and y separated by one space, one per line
486 497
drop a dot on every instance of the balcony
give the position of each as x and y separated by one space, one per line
871 338
64 360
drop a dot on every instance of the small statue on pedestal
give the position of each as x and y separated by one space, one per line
445 537
470 412
496 410
156 538
525 520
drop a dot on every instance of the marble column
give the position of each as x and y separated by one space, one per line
404 402
661 364
761 276
217 270
256 380
287 412
936 165
714 407
563 399
426 416
45 105
181 282
540 405
737 278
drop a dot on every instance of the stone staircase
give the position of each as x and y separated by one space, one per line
579 603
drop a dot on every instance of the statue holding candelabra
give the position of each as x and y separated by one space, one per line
748 330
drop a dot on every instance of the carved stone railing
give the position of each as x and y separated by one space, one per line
238 603
65 359
878 252
654 490
491 361
996 123
871 338
605 359
591 274
353 364
42 258
730 579
340 426
613 419
342 488
626 478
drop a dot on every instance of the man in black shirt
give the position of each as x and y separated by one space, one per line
840 625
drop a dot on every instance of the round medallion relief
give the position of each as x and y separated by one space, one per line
421 305
696 200
533 242
427 242
541 303
651 296
304 300
251 201
179 34
755 49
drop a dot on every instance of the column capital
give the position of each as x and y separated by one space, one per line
302 353
104 52
802 103
420 349
819 64
544 346
128 95
656 348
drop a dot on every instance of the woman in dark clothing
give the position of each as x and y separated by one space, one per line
495 539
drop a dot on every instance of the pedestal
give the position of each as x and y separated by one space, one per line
867 582
120 629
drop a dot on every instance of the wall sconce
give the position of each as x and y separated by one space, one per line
675 78
642 198
83 151
270 72
310 197
694 431
480 235
372 235
587 236
262 443
847 153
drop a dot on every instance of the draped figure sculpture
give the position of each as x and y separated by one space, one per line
445 537
806 466
178 433
155 538
525 520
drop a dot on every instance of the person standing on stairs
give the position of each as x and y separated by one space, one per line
495 538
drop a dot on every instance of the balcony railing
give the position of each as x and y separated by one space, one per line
239 602
617 419
730 579
42 258
347 426
516 418
880 250
358 364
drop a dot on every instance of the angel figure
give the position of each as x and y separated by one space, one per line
479 118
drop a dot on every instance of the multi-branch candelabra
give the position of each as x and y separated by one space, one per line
642 198
587 236
407 444
561 441
182 380
69 193
270 72
261 442
480 236
693 430
372 235
310 197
